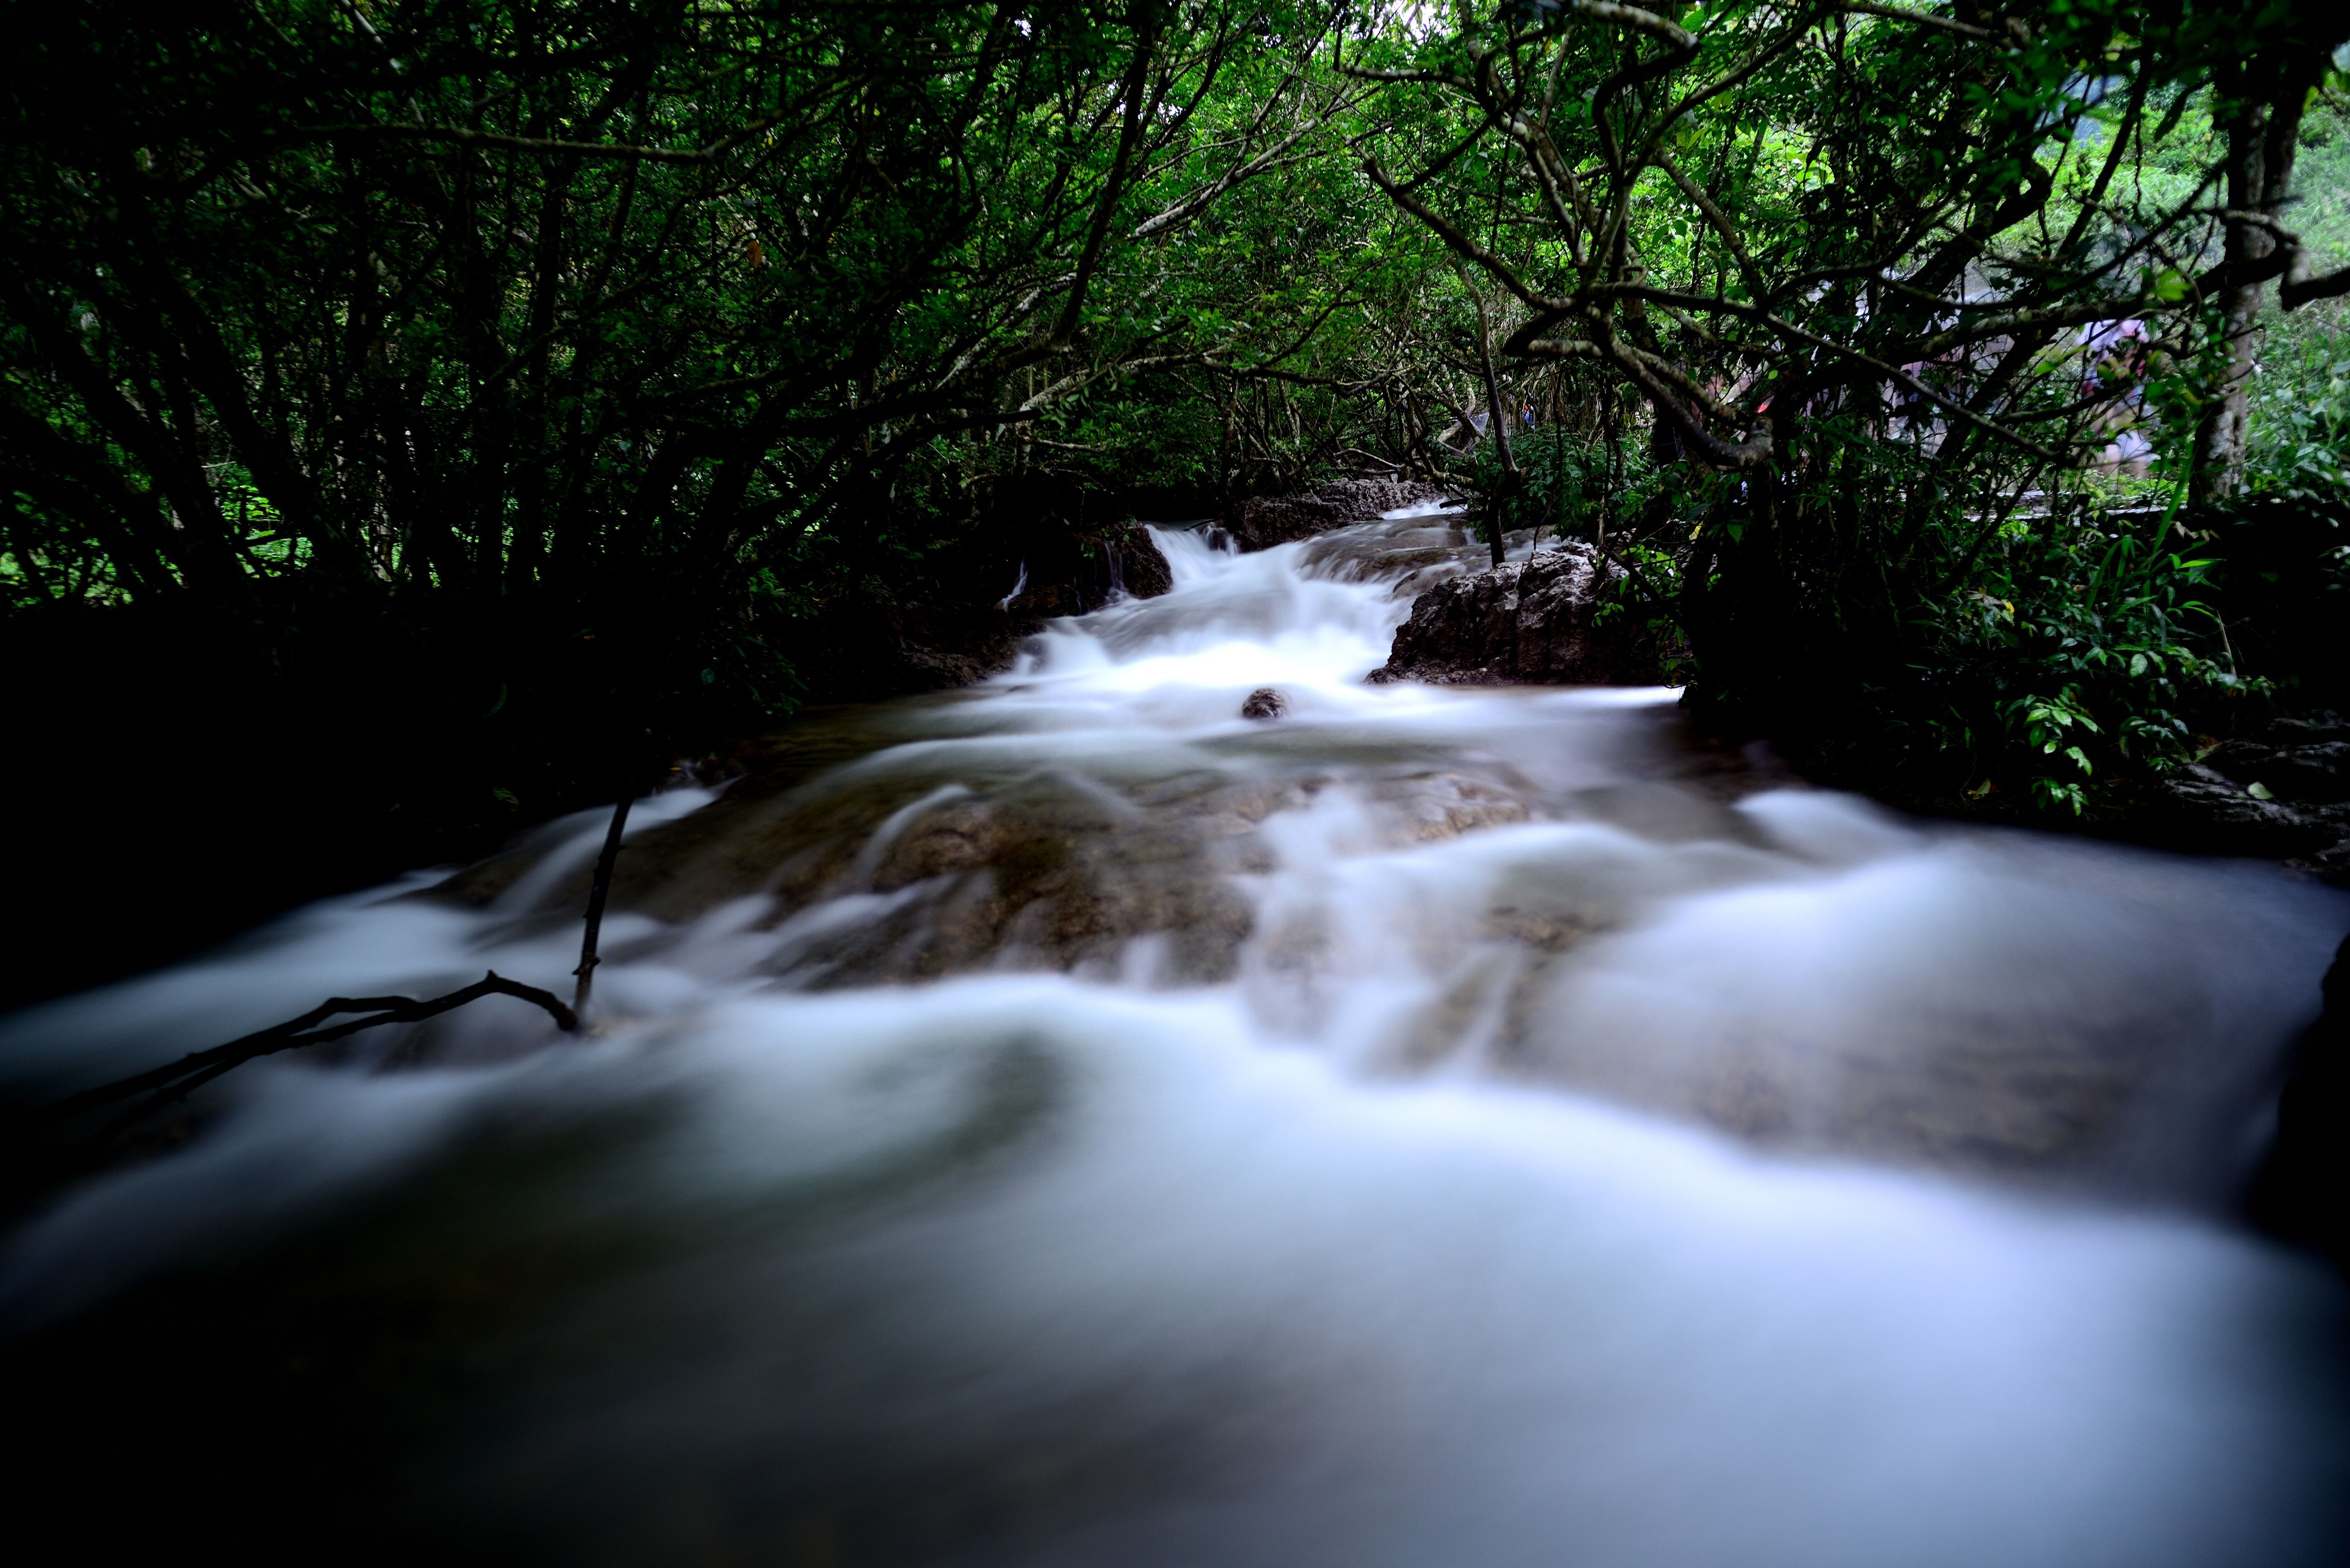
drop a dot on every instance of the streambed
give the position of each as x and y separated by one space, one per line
1065 1122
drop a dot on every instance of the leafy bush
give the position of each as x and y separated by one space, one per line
1647 591
2300 410
2093 641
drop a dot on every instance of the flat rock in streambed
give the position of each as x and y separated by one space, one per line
2282 794
2303 761
909 865
1962 1007
1261 522
1533 622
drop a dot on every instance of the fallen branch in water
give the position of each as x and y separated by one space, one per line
178 1079
597 893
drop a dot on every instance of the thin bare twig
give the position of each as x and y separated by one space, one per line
457 135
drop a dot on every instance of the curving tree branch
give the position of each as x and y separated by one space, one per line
176 1080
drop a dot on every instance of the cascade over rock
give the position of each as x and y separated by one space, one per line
1261 522
1074 572
1532 622
857 650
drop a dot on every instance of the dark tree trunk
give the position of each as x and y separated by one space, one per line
2263 106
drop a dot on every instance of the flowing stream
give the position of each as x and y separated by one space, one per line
1067 1123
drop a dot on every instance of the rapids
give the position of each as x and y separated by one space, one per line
1066 1123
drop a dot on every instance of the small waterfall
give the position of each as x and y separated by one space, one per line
1019 587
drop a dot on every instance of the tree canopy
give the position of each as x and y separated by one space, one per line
544 379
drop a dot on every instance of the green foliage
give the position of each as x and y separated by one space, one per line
2048 724
2300 410
671 332
1646 591
2091 641
1891 282
688 337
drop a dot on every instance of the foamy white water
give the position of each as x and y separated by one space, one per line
1430 1129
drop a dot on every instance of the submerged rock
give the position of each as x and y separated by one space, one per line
1529 883
1265 702
1533 622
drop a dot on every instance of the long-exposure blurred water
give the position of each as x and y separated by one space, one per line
1067 1123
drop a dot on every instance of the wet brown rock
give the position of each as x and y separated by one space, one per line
1528 623
1265 702
960 869
1539 925
885 871
1140 566
1045 875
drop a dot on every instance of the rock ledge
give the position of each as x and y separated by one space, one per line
1261 522
1527 623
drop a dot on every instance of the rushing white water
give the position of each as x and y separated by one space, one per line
1438 1127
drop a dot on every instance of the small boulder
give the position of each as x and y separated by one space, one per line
1265 702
